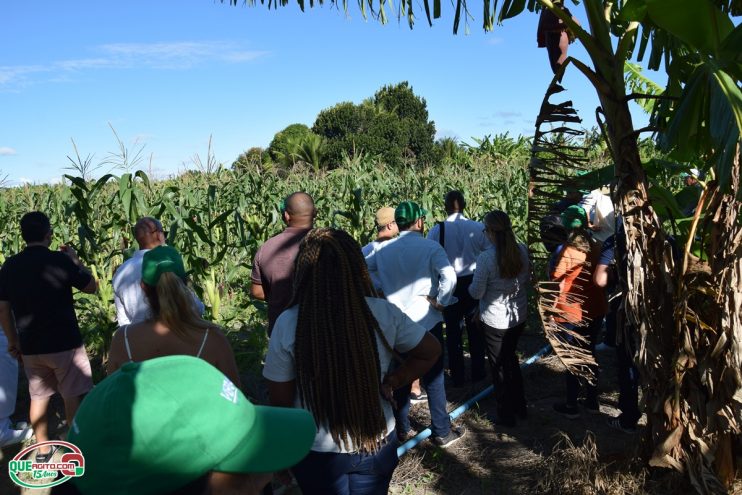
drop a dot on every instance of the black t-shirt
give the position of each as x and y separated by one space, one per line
38 284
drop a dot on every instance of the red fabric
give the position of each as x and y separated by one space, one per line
579 298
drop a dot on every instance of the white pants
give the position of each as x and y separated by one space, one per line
8 383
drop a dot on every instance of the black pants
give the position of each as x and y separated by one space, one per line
590 332
506 375
628 375
456 316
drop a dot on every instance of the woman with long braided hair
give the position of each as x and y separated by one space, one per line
330 352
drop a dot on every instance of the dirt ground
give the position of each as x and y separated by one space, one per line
500 460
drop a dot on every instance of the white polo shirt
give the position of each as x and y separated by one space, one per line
131 303
400 332
463 242
409 268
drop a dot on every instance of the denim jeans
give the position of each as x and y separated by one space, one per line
506 376
462 312
345 474
433 383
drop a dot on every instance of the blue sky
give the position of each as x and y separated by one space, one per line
168 74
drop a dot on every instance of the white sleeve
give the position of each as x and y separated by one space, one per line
408 333
373 269
121 317
479 281
446 276
279 361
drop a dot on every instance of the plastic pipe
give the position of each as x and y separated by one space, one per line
413 442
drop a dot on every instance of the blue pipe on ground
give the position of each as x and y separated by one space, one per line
413 442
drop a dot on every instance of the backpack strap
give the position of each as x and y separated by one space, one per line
442 233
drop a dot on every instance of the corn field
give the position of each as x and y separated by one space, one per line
218 218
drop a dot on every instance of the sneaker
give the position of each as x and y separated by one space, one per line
456 434
615 423
12 437
44 458
570 412
408 435
417 398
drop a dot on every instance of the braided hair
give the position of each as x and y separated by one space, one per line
338 373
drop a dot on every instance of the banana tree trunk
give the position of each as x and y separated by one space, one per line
648 279
687 320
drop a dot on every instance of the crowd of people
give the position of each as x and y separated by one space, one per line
356 334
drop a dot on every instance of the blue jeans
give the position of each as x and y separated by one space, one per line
345 474
433 383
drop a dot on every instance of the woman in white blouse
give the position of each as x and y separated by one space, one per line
500 283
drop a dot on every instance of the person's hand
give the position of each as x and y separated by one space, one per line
387 389
14 350
284 477
433 302
70 251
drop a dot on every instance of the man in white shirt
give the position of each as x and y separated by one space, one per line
131 304
463 240
415 275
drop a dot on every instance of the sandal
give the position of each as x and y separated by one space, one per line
44 458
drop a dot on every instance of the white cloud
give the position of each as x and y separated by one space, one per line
495 41
159 56
7 151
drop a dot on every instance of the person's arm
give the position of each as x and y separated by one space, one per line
121 317
117 353
479 281
224 355
256 279
92 284
281 394
419 360
601 275
256 291
446 278
7 321
279 370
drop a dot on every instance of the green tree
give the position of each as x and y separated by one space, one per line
278 149
393 125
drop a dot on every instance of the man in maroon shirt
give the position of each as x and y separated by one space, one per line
273 268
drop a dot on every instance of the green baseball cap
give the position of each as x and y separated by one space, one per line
157 425
159 260
574 217
407 212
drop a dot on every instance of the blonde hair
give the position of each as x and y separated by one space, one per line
173 304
